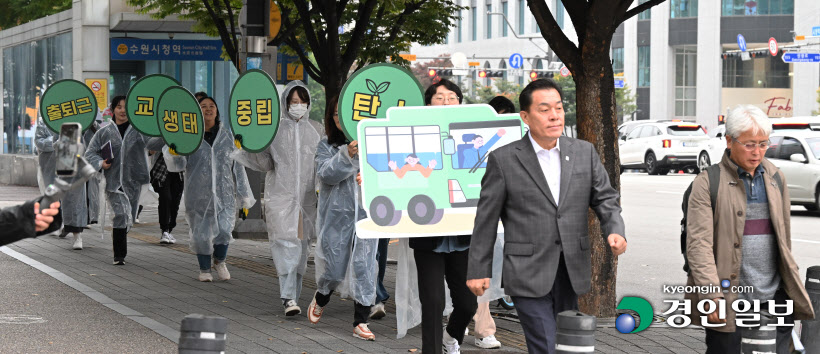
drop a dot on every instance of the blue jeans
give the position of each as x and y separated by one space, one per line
381 257
220 254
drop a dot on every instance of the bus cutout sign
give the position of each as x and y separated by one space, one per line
422 167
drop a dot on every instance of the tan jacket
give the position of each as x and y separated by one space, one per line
714 243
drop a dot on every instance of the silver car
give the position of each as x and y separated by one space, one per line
797 154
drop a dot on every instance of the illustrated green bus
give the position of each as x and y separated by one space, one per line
425 160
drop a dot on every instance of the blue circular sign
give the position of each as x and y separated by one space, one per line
741 42
516 61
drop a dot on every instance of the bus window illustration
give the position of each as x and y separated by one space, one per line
412 164
477 149
394 185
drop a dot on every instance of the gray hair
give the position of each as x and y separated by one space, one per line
746 117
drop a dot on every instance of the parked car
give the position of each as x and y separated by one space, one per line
797 154
659 147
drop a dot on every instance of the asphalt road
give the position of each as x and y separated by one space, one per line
652 212
41 314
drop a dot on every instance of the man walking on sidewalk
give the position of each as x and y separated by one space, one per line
541 187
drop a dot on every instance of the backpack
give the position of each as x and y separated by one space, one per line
714 183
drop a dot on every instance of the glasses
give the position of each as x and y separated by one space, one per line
751 146
441 98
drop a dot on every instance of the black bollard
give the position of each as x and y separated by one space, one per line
810 332
575 333
761 339
200 334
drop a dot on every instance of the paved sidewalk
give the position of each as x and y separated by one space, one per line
159 282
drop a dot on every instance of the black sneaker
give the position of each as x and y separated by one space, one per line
119 262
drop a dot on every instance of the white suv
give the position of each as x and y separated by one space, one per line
661 146
797 154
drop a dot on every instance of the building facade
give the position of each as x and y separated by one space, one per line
672 56
76 44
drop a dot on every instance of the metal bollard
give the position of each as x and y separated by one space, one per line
575 333
810 333
759 340
200 334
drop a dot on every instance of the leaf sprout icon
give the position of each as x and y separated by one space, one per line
377 89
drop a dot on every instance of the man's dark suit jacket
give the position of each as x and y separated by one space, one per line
536 229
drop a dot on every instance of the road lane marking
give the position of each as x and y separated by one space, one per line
807 241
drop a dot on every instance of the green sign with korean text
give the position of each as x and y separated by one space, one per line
180 123
372 90
254 110
142 99
68 101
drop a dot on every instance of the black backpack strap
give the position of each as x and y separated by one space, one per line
779 181
714 183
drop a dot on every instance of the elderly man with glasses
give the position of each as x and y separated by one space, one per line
744 239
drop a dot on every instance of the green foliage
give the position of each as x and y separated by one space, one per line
567 85
190 10
317 101
18 12
625 101
816 113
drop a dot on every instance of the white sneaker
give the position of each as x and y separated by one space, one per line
206 277
165 240
291 308
377 311
78 241
171 238
488 342
449 345
222 271
467 331
315 311
362 332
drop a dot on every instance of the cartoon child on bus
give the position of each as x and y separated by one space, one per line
478 149
412 164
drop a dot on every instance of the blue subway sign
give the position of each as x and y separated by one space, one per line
801 57
165 49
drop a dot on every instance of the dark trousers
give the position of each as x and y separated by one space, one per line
538 314
381 257
120 237
170 194
360 312
729 342
433 268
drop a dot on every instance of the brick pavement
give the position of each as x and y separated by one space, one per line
160 282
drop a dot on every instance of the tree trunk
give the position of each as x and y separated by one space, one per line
595 106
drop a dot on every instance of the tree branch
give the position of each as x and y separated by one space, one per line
309 67
356 40
638 9
557 40
409 9
230 47
577 11
233 24
310 34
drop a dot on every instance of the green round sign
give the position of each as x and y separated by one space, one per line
180 122
372 90
254 110
142 99
68 101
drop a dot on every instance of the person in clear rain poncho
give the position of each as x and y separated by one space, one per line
125 172
80 205
213 182
340 255
290 190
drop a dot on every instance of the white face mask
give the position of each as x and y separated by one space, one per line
296 111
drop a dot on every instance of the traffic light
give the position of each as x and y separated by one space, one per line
482 74
495 73
431 73
535 75
445 72
721 119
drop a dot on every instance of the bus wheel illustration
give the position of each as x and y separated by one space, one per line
422 210
437 216
383 212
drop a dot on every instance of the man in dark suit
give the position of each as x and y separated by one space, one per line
541 188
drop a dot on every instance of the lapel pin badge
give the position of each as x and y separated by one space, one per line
567 157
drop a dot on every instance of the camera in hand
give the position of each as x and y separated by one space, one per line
68 149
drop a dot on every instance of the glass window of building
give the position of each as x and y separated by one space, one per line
683 8
765 72
28 70
759 7
474 22
644 56
617 60
686 68
646 15
458 27
559 13
522 8
489 22
505 10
